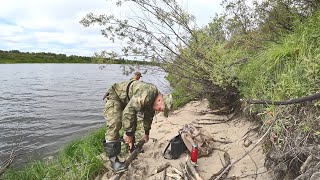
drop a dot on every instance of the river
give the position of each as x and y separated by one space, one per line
45 106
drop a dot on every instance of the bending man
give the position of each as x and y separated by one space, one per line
124 101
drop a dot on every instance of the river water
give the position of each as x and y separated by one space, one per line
45 106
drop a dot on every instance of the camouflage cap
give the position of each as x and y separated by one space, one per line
138 74
168 104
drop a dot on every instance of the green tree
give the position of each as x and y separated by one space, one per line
166 33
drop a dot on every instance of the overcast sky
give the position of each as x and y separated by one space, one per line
53 25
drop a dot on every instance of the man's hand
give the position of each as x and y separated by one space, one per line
145 138
128 140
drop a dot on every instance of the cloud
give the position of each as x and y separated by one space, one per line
9 30
203 10
53 25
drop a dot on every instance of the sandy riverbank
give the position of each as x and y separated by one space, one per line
235 132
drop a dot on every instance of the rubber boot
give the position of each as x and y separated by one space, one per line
113 150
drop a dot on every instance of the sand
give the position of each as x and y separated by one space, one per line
236 132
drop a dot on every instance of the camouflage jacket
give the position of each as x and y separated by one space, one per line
140 97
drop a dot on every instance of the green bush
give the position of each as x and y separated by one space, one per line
287 70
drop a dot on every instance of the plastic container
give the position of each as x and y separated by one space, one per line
194 154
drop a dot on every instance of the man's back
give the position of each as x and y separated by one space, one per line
144 91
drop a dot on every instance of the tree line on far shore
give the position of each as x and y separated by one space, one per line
15 56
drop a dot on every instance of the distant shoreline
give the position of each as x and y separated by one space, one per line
17 57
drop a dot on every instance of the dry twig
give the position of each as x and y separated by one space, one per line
220 141
177 171
227 163
184 171
160 168
164 175
174 176
245 154
193 171
305 164
256 174
209 123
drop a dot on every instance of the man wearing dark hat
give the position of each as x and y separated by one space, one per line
124 101
137 76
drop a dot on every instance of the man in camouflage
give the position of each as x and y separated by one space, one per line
124 101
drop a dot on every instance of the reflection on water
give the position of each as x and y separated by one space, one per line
44 106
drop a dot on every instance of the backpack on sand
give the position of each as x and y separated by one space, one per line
191 135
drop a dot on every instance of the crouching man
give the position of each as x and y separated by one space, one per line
124 101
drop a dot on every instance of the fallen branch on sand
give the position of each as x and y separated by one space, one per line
189 171
226 157
184 171
128 161
220 141
208 119
214 121
245 154
164 175
160 168
208 123
194 173
174 176
177 171
255 128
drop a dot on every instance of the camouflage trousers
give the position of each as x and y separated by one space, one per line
113 116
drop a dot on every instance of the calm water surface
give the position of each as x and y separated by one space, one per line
44 106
